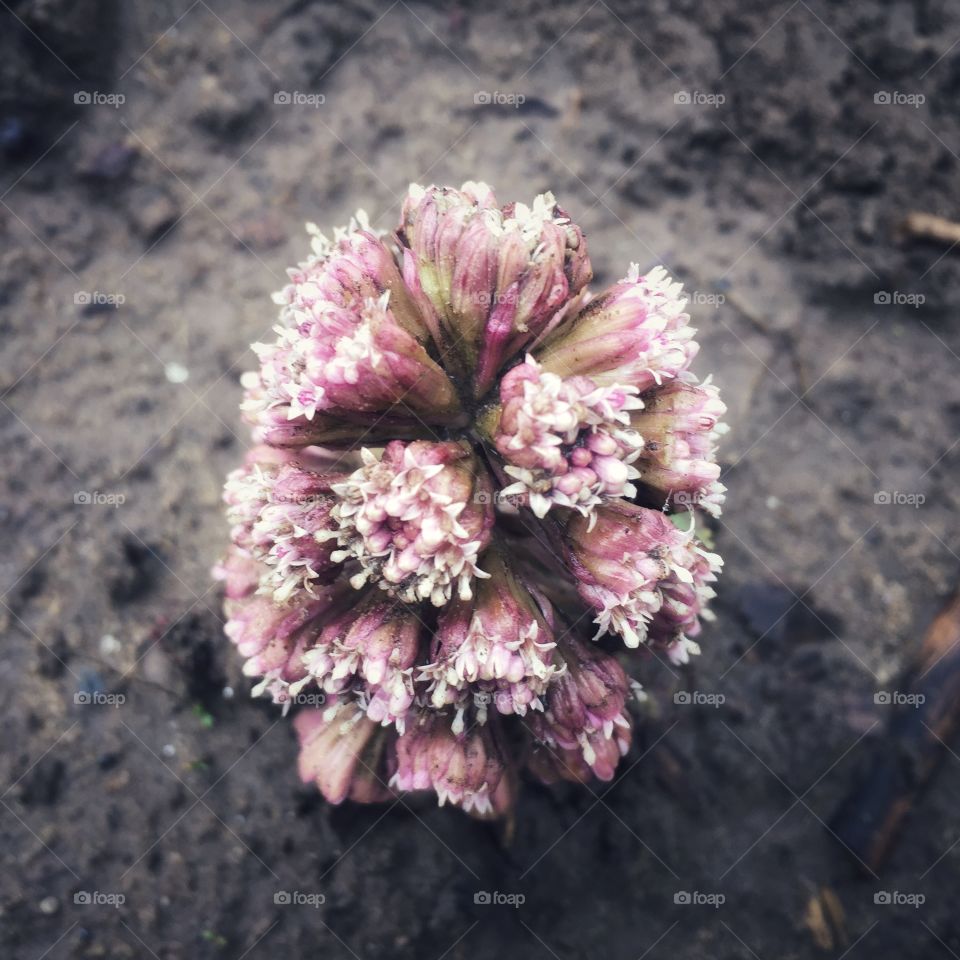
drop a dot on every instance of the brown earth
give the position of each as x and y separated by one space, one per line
779 206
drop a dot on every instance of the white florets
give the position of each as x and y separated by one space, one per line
405 531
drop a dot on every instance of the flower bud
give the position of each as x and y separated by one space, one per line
684 605
585 721
595 756
273 639
500 641
348 361
567 443
341 751
280 515
372 364
416 520
624 565
433 224
466 769
495 277
680 428
636 333
353 267
350 341
381 648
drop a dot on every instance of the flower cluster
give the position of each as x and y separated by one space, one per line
449 427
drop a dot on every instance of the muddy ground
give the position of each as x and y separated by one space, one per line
767 154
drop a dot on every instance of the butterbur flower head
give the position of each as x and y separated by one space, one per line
680 427
629 561
567 442
461 453
466 769
416 520
637 332
499 644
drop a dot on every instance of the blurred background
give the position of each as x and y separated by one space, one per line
789 162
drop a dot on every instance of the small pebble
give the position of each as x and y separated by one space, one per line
49 905
109 645
176 372
773 503
169 750
228 693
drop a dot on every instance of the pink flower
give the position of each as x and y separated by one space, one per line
500 644
342 752
629 562
465 769
495 276
280 511
373 651
636 333
416 520
350 361
585 721
273 638
350 342
457 444
596 756
567 443
680 428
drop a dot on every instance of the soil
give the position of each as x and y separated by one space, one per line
767 154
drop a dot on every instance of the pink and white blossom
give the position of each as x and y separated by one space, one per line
416 520
466 769
566 442
461 452
629 562
637 333
501 643
680 423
